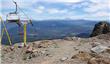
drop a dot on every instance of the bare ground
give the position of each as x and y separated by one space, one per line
60 51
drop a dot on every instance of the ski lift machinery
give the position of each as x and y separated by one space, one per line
14 18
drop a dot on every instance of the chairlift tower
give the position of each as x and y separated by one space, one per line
13 17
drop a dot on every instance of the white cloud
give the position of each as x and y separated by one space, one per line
42 9
97 6
76 17
94 10
102 14
39 9
54 11
62 1
98 9
0 8
21 3
52 1
100 1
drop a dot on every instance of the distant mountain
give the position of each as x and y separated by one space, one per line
51 29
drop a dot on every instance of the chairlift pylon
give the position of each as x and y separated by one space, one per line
13 17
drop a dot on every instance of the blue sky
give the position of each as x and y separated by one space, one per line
59 9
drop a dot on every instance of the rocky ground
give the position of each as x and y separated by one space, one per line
71 50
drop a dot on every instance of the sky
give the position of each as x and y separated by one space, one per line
59 9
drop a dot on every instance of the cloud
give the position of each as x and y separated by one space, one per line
96 8
56 11
0 8
97 16
100 1
62 1
21 3
51 9
102 14
40 9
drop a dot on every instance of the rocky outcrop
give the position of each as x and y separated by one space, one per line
104 36
100 60
101 28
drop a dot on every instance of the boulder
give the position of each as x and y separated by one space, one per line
64 58
101 60
104 36
99 49
82 56
44 44
101 28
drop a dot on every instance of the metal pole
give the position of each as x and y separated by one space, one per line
16 7
25 31
6 31
2 35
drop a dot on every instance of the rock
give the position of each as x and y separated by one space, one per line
32 53
101 60
9 49
68 38
44 44
34 50
82 56
94 44
43 52
0 47
12 48
79 39
108 50
101 28
20 45
104 36
99 49
71 38
64 58
29 49
76 48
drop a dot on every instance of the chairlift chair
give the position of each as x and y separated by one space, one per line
13 17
